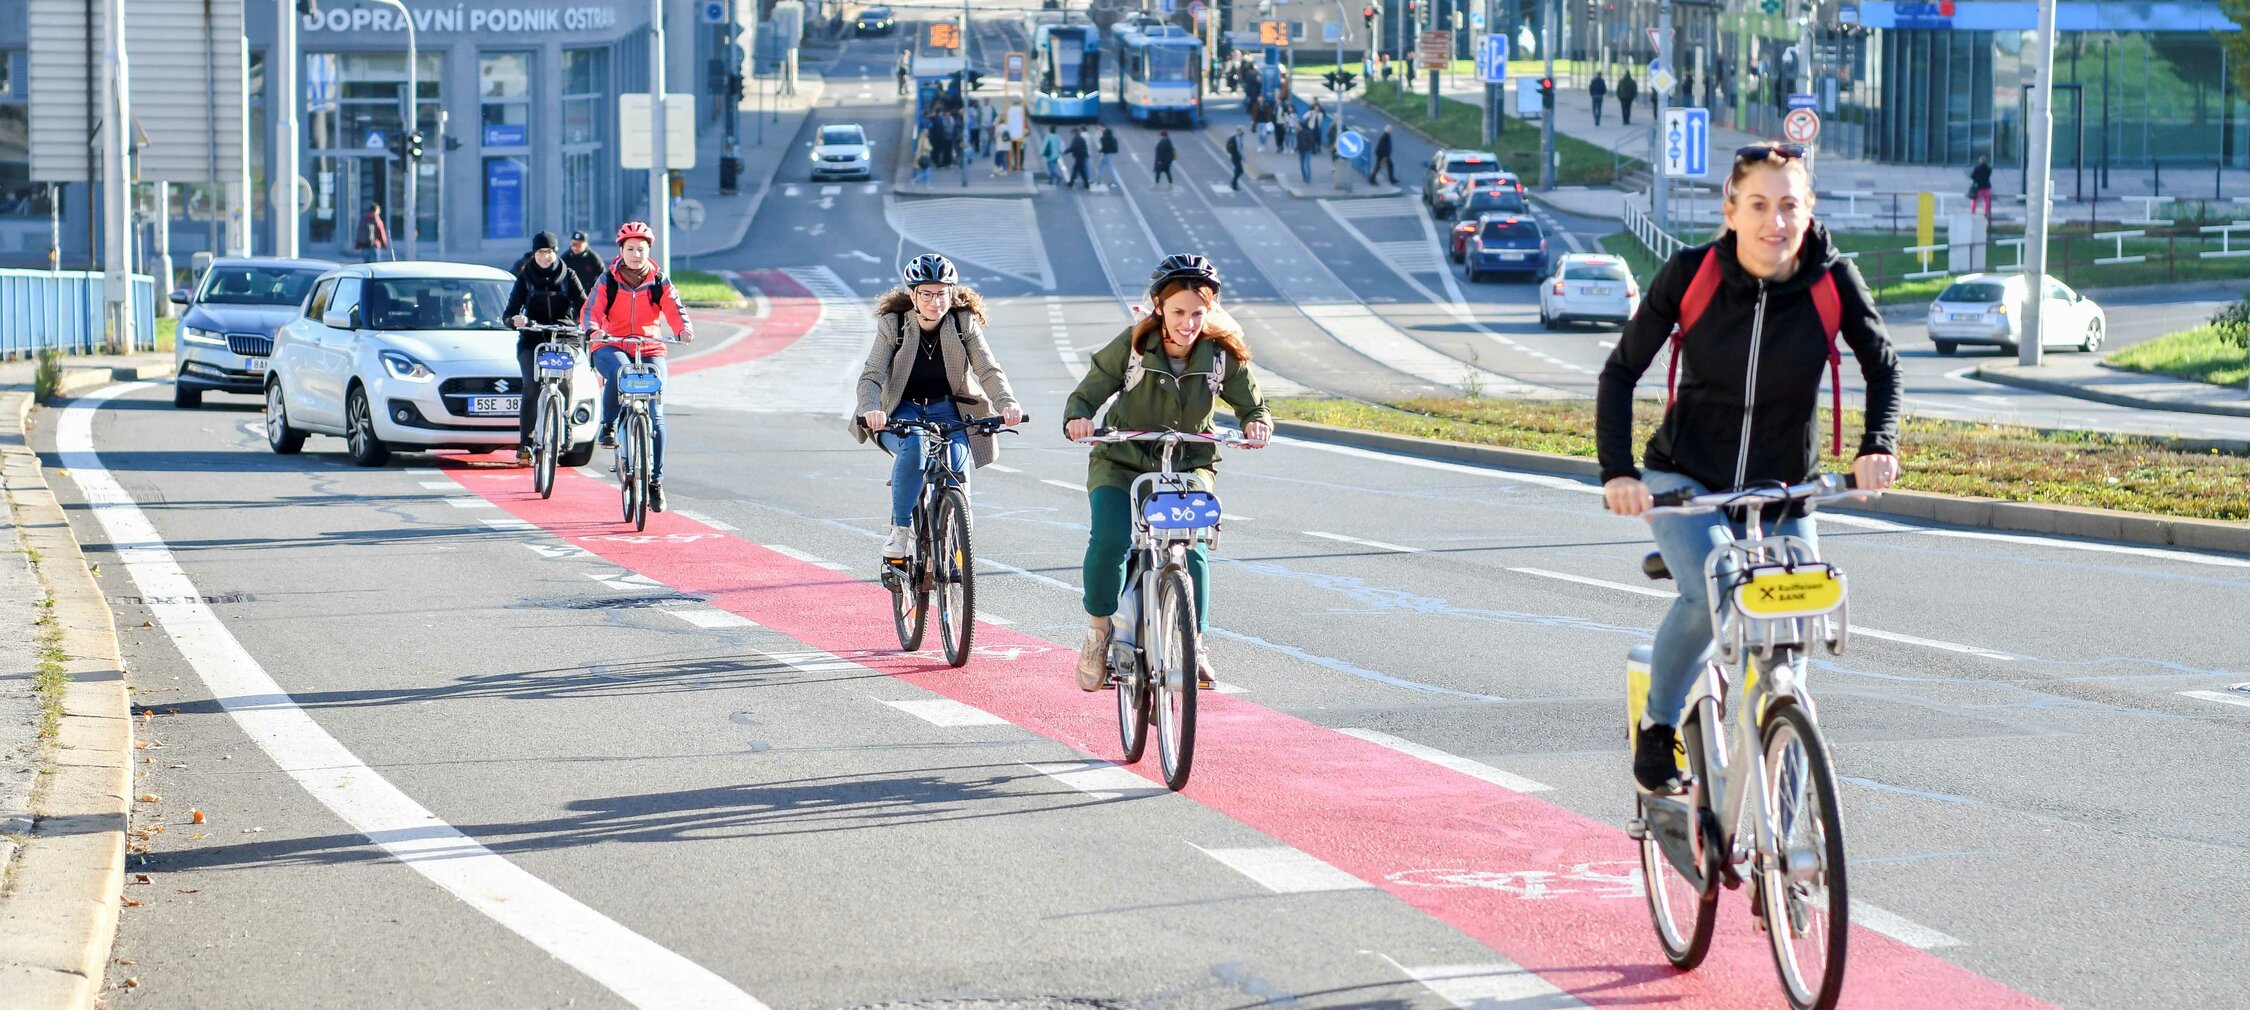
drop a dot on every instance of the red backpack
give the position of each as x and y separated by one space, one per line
1825 301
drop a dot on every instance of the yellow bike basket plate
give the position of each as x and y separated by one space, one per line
1771 591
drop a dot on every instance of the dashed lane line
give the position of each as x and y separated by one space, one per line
1098 779
2221 697
1285 870
1466 766
1377 544
945 712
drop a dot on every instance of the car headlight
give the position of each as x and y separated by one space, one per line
205 338
403 366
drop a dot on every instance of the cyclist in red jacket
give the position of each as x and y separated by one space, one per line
624 308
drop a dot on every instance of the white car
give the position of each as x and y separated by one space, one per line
411 356
842 149
1588 288
1987 310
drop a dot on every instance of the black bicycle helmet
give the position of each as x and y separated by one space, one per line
1181 266
931 268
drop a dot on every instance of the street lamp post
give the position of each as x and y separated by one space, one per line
2041 172
285 135
412 125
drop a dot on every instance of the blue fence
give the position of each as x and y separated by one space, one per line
40 309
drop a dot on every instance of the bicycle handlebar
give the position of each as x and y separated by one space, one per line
1827 487
989 425
1223 436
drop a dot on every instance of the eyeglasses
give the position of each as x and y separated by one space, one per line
1760 152
931 296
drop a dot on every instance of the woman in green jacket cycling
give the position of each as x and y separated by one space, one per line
1166 371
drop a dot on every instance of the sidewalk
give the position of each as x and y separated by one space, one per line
982 179
2091 380
1332 178
726 219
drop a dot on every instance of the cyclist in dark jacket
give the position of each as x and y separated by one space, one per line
1746 410
547 293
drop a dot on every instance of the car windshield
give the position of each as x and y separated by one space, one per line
1594 272
1496 199
1972 291
837 135
235 285
434 303
1510 229
871 14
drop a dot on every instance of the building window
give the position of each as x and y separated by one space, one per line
19 196
586 175
352 130
504 87
504 197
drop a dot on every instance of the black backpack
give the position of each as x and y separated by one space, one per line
609 289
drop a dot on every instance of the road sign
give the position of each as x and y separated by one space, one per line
1492 59
1350 144
375 139
1476 20
1014 67
1801 125
1436 48
1332 31
1660 76
633 140
1687 143
1804 100
1656 40
715 12
687 213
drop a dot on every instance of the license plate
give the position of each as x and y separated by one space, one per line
495 404
1511 256
1968 317
256 366
1595 292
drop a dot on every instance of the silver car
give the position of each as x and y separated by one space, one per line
1588 288
1987 310
227 323
842 149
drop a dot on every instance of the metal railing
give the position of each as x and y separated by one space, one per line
40 309
1660 243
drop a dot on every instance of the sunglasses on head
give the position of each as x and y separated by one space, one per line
1760 152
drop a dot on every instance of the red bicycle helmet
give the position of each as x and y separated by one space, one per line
635 229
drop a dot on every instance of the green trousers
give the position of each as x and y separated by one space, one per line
1110 543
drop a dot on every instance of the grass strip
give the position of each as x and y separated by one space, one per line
2201 354
48 682
2076 468
167 327
1461 124
702 287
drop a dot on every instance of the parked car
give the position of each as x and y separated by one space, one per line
1588 288
875 21
1987 310
842 149
1507 243
226 333
1449 164
410 355
1498 193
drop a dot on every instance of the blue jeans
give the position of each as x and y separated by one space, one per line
906 456
1683 640
1304 165
1107 173
606 362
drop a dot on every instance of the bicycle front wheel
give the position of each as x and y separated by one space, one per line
546 446
644 458
953 564
1684 918
1173 680
627 465
1807 906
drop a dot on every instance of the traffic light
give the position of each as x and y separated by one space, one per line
1546 92
1339 81
734 87
1367 14
976 80
414 144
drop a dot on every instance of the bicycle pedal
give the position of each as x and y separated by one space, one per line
1636 829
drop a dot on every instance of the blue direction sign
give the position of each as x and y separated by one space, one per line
1350 145
1492 59
1802 100
1687 143
714 12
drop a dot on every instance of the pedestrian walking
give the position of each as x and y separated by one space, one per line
1308 141
583 261
1384 64
373 237
1687 88
922 160
1626 91
1261 120
1383 158
1280 131
1078 155
1164 157
1234 155
1598 91
1050 152
905 68
1980 185
1108 171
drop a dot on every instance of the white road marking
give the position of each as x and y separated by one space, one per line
1492 985
1283 869
471 503
813 662
1064 484
1900 928
819 562
511 525
711 618
627 963
1377 544
624 580
1661 594
995 620
418 470
785 190
2221 697
554 552
991 466
2035 540
1466 766
946 712
827 190
705 520
1098 779
440 485
1225 688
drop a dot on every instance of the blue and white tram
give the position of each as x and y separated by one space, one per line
1067 73
1160 76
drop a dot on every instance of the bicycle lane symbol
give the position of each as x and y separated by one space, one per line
1603 879
651 538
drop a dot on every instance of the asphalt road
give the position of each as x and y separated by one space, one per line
454 745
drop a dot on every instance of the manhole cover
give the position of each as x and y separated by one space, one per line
617 602
999 1003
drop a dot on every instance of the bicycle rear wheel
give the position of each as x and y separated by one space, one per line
953 565
1131 680
546 446
1807 906
1684 918
1173 680
644 457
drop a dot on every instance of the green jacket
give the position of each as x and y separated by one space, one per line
1159 402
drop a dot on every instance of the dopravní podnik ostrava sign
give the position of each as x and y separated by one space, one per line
465 18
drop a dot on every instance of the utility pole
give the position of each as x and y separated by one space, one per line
1548 13
1434 23
285 140
2041 173
659 163
1659 185
963 159
411 124
117 180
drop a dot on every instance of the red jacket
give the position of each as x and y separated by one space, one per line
614 308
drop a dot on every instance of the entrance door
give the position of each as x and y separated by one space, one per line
344 184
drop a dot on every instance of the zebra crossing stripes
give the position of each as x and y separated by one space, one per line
813 375
999 235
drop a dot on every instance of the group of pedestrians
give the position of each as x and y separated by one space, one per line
1627 91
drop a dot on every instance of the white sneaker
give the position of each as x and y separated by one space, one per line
901 543
1093 659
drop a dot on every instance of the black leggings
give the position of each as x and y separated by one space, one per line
526 349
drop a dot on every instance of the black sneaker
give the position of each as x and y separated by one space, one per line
1655 762
656 496
608 438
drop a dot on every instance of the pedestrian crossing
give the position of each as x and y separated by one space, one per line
816 191
814 375
999 235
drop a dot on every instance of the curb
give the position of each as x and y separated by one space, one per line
60 915
2060 388
1951 510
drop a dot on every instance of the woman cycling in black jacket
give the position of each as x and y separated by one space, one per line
1746 410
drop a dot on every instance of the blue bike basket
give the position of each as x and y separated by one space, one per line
556 361
1181 510
639 383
